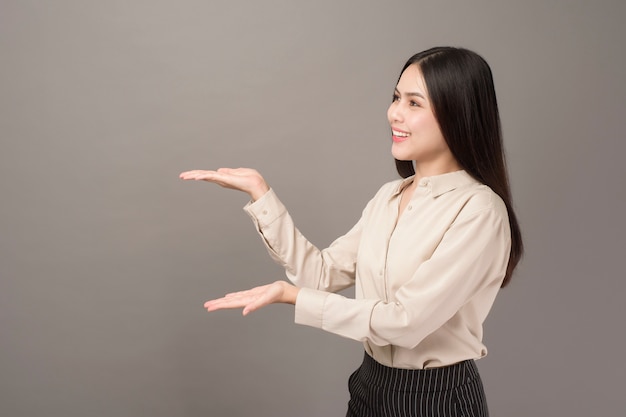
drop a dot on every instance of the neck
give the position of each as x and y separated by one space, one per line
430 170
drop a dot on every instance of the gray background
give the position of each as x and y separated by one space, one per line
106 256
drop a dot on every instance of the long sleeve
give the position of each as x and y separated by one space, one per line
331 269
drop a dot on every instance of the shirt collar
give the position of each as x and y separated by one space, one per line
439 184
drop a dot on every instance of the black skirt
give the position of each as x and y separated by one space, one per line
451 391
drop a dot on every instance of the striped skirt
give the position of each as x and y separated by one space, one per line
451 391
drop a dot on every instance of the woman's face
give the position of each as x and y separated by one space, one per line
415 131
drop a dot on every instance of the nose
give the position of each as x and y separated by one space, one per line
394 113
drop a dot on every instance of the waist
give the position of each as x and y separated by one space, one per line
418 380
435 351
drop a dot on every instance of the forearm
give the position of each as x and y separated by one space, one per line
331 269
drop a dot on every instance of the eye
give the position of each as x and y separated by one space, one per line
395 98
414 103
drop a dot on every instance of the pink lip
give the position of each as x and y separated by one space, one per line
398 139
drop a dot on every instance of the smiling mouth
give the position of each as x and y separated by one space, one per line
399 136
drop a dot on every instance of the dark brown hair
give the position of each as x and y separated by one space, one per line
463 98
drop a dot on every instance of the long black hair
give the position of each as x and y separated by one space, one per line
463 99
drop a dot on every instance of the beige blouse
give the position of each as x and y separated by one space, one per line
425 280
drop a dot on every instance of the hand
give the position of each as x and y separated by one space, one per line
242 179
255 298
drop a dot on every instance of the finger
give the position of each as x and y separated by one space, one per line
228 297
223 179
190 175
211 176
255 305
234 300
192 172
250 300
225 303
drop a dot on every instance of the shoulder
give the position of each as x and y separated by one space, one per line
462 192
478 199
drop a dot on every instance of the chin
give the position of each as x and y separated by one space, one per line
400 154
401 157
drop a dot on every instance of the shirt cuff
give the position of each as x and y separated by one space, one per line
310 307
266 209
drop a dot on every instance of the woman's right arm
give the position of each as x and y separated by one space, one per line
331 269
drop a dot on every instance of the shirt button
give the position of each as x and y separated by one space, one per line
264 212
410 207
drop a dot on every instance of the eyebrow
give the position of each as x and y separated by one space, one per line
411 94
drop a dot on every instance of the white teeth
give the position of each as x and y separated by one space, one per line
400 134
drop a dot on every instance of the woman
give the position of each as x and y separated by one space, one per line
427 257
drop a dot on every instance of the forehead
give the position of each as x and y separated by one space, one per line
411 80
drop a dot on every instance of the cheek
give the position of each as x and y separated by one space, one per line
429 124
418 122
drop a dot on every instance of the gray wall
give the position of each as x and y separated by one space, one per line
106 256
